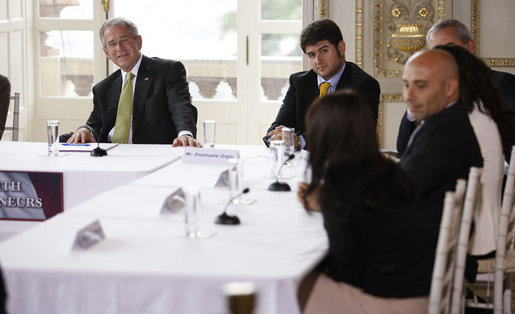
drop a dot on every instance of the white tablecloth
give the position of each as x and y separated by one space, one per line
147 265
83 176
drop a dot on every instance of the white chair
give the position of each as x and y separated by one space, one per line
16 117
443 269
498 268
470 206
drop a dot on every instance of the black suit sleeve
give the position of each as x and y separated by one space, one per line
288 111
184 114
505 83
95 118
371 92
406 128
5 97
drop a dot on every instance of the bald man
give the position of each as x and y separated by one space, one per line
453 32
443 147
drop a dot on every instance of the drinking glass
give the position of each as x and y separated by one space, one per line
52 128
235 177
236 182
241 297
192 212
288 136
209 133
276 157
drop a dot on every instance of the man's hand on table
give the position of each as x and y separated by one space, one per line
185 140
81 135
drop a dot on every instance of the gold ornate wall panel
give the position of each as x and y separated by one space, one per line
475 22
400 27
360 21
321 9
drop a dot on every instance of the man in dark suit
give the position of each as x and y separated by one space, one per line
5 98
323 44
160 111
453 32
443 147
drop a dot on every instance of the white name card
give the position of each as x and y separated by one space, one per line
173 202
209 155
223 179
88 236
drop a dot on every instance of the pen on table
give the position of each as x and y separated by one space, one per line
77 144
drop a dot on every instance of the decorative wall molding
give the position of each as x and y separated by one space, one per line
379 125
400 27
392 98
360 21
499 62
322 9
475 10
475 21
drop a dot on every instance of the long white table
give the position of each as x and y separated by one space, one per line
147 265
83 176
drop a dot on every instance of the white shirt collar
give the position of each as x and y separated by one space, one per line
134 70
333 80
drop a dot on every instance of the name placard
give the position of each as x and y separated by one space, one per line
173 202
88 236
223 179
209 155
28 195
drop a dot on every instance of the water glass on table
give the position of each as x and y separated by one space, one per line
209 133
276 157
236 183
192 212
52 128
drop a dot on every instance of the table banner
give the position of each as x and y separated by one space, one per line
30 195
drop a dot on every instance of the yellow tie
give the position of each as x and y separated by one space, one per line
123 115
324 88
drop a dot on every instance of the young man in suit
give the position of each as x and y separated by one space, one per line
443 147
159 111
453 32
323 44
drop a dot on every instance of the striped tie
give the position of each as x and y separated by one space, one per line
123 116
324 88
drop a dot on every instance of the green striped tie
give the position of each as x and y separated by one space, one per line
123 116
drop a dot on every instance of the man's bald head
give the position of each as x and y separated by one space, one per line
431 82
439 61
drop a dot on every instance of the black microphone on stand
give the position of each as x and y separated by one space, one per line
281 186
98 152
224 219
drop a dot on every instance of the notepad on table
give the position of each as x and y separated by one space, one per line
87 147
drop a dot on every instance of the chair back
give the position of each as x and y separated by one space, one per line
443 269
470 206
506 220
16 117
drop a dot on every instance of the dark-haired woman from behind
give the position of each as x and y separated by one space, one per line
493 124
375 263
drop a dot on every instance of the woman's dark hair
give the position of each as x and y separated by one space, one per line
476 85
344 153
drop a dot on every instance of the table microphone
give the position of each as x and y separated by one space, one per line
98 152
224 219
281 186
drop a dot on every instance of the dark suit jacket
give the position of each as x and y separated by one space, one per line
505 83
442 150
304 90
161 108
5 98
